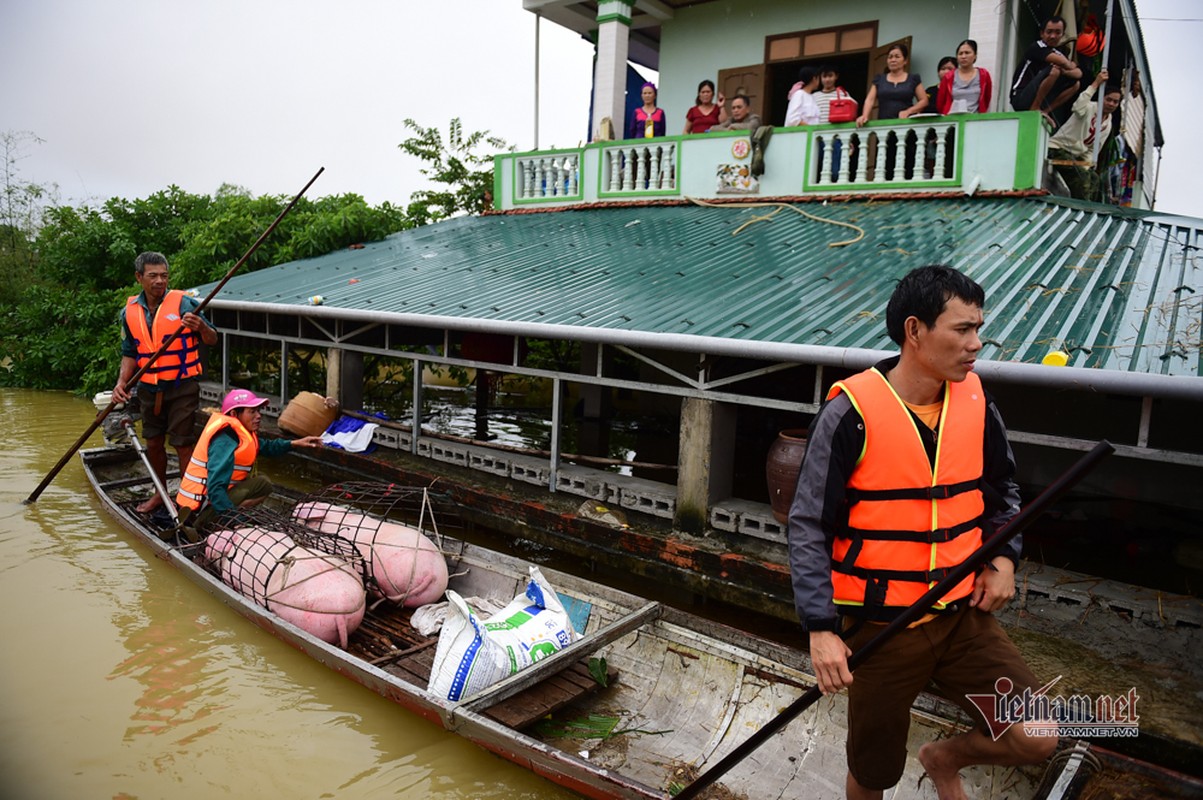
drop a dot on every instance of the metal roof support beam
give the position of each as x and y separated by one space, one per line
1123 450
415 420
1146 418
850 358
1139 450
557 410
693 382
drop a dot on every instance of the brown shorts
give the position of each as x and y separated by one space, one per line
962 652
177 412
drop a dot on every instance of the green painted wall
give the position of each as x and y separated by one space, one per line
701 40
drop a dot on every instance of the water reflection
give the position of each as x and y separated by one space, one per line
169 658
120 678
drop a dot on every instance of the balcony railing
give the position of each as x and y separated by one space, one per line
969 152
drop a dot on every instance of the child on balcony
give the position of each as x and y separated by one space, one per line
948 65
829 89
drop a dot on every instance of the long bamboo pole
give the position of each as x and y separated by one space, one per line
133 380
988 550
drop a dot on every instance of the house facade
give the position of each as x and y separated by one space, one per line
755 48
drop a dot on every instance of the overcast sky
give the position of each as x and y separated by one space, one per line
131 96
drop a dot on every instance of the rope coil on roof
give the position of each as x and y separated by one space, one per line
860 232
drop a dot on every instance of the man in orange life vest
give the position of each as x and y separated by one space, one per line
169 391
218 478
906 465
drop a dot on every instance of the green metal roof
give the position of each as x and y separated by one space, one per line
1119 290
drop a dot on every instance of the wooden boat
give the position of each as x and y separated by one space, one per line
681 691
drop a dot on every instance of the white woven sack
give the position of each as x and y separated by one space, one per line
473 654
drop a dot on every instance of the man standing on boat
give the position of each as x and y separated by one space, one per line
906 465
169 391
219 477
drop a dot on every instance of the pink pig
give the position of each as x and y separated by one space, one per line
407 566
319 593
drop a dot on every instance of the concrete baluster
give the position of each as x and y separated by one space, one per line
942 140
862 158
879 169
641 157
825 161
570 163
655 176
845 165
615 157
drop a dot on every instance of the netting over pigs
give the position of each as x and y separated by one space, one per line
394 529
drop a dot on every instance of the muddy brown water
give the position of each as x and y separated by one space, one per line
120 679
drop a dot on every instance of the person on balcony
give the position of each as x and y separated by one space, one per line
1045 79
897 93
802 109
1071 148
830 89
742 119
706 111
968 88
648 120
947 66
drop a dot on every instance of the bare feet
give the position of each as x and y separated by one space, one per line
150 505
942 770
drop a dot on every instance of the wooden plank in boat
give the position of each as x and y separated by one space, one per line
551 694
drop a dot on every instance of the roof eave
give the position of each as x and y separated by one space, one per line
1072 378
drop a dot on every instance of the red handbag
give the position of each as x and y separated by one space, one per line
842 110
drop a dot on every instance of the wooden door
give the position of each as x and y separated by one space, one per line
877 65
743 80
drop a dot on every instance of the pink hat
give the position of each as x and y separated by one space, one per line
241 398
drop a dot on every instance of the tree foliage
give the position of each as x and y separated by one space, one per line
65 271
21 203
453 162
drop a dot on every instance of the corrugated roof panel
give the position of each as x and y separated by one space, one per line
1122 290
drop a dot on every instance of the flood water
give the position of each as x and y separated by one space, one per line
120 679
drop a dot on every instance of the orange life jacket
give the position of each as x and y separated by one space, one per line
908 524
194 482
180 360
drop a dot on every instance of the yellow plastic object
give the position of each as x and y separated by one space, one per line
1055 358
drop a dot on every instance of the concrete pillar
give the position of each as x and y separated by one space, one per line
705 462
987 27
344 377
593 435
610 78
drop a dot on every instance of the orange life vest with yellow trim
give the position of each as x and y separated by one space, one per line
182 359
194 483
909 523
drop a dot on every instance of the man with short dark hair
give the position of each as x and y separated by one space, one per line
907 466
1045 73
169 390
742 119
1071 148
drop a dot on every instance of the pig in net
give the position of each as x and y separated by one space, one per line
395 531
